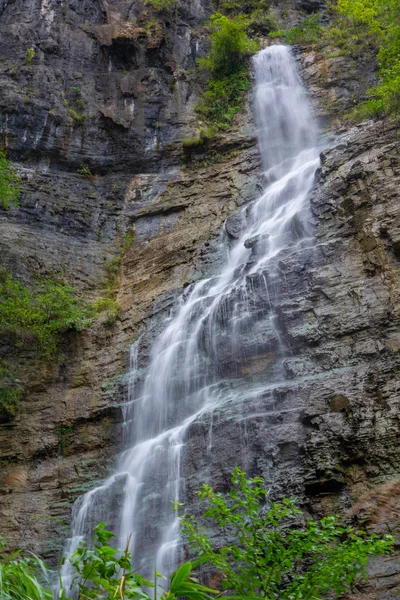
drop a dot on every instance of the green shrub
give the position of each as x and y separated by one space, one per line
99 572
259 20
76 115
309 31
10 397
10 393
192 142
223 99
359 25
260 23
270 556
85 172
39 316
242 6
228 69
230 46
10 189
30 53
161 4
108 308
272 553
380 20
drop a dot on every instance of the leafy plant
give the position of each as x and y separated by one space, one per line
30 53
271 552
242 6
230 46
271 555
108 308
39 315
223 99
63 433
378 21
259 19
161 4
101 571
309 31
10 189
10 397
85 172
227 66
23 578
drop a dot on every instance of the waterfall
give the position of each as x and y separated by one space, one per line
204 343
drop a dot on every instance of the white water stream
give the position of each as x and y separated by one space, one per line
185 378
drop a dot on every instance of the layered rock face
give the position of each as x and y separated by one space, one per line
107 90
67 431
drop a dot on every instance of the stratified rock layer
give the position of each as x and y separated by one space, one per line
107 91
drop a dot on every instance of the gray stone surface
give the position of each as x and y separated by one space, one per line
327 430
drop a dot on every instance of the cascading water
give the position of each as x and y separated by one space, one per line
186 378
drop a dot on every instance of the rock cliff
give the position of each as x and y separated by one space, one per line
110 87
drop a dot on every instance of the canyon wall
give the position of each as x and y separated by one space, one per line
111 87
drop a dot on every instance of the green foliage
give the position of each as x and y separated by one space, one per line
108 308
230 46
272 555
10 190
223 99
259 20
260 23
30 53
192 142
377 21
40 315
227 65
76 115
101 573
85 172
242 6
104 572
63 433
112 267
23 578
161 4
75 104
10 397
309 31
10 393
206 133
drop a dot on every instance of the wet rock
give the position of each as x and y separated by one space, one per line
233 226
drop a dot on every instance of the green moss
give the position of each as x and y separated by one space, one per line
192 142
10 189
